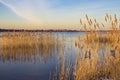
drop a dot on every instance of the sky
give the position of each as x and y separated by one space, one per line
53 14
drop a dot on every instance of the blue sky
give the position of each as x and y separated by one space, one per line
53 14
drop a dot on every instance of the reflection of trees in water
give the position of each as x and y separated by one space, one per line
27 47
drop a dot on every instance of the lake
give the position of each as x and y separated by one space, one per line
33 64
40 55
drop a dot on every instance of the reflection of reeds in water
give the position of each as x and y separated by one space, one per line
26 46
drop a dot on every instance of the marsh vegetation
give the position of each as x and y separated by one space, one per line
93 62
27 46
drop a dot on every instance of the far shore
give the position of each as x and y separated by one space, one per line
50 30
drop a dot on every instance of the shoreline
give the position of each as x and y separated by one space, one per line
22 30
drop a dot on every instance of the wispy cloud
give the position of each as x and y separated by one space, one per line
24 15
11 7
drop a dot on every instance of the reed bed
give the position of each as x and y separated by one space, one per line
90 66
27 46
92 69
25 40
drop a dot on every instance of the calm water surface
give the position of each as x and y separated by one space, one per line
29 64
37 64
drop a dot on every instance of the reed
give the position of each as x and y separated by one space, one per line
27 46
90 66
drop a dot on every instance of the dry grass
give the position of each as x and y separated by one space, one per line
89 66
25 40
26 46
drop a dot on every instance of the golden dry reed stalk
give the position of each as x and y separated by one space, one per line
89 66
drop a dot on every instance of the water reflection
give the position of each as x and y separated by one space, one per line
28 47
44 49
